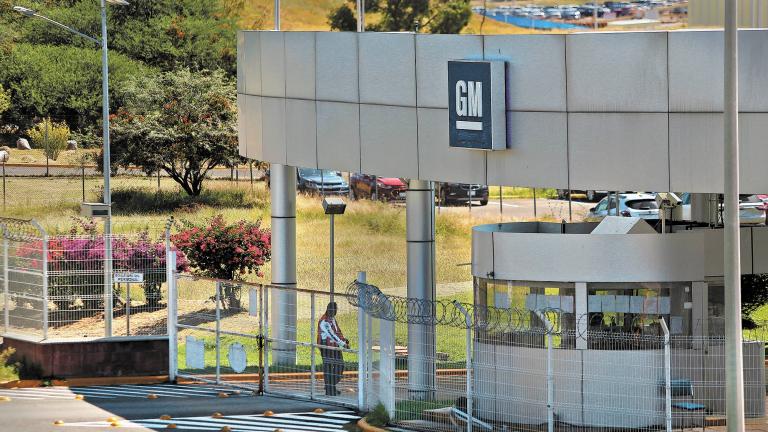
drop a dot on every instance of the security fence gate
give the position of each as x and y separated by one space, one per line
80 285
264 339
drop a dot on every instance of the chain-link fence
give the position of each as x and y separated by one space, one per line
82 286
266 338
28 190
459 366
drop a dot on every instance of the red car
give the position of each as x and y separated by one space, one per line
388 188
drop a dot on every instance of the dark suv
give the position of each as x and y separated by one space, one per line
388 188
449 193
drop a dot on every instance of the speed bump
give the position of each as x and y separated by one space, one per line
268 413
318 411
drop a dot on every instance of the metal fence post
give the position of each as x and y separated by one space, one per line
361 344
6 290
45 286
667 377
312 346
108 288
218 332
265 320
550 372
468 354
170 275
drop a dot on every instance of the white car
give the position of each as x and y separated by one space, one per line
752 208
640 205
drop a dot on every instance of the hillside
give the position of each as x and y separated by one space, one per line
312 15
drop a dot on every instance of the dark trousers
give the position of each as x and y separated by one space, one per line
333 368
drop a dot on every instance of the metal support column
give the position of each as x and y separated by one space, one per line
170 275
6 290
283 302
218 332
420 232
734 367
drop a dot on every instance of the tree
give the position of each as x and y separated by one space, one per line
754 294
61 81
5 100
229 252
436 16
51 137
184 123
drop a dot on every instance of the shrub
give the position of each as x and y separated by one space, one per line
132 200
379 417
228 252
50 136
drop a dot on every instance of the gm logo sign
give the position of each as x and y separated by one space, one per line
477 104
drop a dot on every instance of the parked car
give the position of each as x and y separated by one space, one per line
458 192
592 195
313 180
553 12
641 205
389 188
570 13
752 208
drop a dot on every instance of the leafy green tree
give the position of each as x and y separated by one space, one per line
184 123
436 16
51 137
5 100
61 81
166 34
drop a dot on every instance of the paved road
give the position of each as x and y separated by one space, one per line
514 209
56 171
190 407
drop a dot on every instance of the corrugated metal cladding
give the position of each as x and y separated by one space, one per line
711 13
605 111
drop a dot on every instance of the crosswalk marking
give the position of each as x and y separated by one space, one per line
331 421
120 391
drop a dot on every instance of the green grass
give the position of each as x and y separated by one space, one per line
449 340
521 192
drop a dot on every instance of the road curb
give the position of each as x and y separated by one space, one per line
362 424
85 382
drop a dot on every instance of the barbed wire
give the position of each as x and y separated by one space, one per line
450 313
493 320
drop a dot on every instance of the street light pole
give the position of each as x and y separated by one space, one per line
734 363
107 168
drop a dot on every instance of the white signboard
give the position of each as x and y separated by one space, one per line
238 359
195 353
127 277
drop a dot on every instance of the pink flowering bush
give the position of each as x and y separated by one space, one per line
76 266
218 250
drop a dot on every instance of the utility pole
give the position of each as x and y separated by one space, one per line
734 363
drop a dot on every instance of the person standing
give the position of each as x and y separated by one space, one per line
330 335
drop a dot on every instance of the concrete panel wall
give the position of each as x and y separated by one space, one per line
645 117
571 257
468 166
